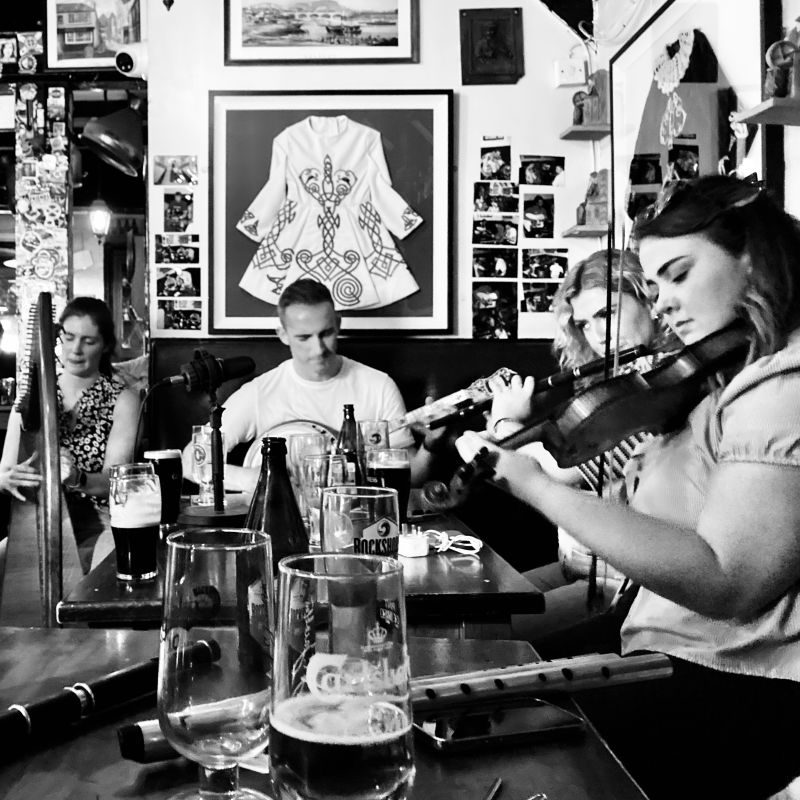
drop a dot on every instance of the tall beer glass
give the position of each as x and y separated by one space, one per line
134 501
168 467
341 714
391 467
217 592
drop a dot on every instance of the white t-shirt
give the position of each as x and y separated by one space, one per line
281 396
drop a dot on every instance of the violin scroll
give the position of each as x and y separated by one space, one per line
443 497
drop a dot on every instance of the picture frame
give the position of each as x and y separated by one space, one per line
415 134
259 34
90 39
491 45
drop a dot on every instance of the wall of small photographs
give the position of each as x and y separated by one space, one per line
179 262
516 265
41 202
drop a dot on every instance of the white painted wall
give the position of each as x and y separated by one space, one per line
186 61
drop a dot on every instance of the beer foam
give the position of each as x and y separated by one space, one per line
140 510
348 721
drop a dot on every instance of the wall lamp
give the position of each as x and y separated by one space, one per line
99 219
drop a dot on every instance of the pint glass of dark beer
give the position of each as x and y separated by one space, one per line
340 718
134 501
168 468
391 468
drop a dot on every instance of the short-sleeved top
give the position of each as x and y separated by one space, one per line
755 419
85 432
281 396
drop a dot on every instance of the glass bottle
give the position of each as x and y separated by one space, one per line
349 445
273 508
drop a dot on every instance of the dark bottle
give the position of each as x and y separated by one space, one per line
349 445
273 508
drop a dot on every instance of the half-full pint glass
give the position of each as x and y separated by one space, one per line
340 721
135 504
168 468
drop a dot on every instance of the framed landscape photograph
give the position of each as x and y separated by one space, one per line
88 34
348 31
352 189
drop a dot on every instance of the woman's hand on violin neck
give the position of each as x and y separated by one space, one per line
512 402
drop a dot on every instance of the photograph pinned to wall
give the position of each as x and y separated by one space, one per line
536 318
183 282
491 45
177 248
8 50
546 264
175 170
178 211
538 214
180 314
494 262
495 161
88 35
494 310
542 170
495 197
645 169
384 253
496 231
684 160
348 31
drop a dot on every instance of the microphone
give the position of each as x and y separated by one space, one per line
205 371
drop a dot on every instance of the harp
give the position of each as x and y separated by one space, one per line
39 556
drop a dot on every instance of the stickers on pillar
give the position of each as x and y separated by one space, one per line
378 539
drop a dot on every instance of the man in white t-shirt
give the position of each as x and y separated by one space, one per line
311 387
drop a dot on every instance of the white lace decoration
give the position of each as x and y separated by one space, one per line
667 74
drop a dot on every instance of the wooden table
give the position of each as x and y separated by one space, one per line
87 765
447 594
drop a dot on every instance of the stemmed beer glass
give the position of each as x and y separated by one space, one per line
218 590
341 712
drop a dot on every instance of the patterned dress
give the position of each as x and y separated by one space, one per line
325 213
84 432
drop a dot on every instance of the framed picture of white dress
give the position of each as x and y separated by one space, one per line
347 31
353 189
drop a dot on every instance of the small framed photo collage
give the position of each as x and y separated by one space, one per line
179 257
516 265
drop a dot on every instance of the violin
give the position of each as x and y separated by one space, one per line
596 419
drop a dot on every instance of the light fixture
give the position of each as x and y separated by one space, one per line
118 139
99 219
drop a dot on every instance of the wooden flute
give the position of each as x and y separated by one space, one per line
569 675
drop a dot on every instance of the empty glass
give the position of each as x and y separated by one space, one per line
215 668
202 465
299 445
374 433
318 472
360 519
341 715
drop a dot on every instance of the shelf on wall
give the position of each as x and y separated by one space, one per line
775 111
586 230
586 132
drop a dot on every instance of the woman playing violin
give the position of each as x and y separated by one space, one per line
710 531
579 584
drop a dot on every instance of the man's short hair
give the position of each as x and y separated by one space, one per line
305 291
